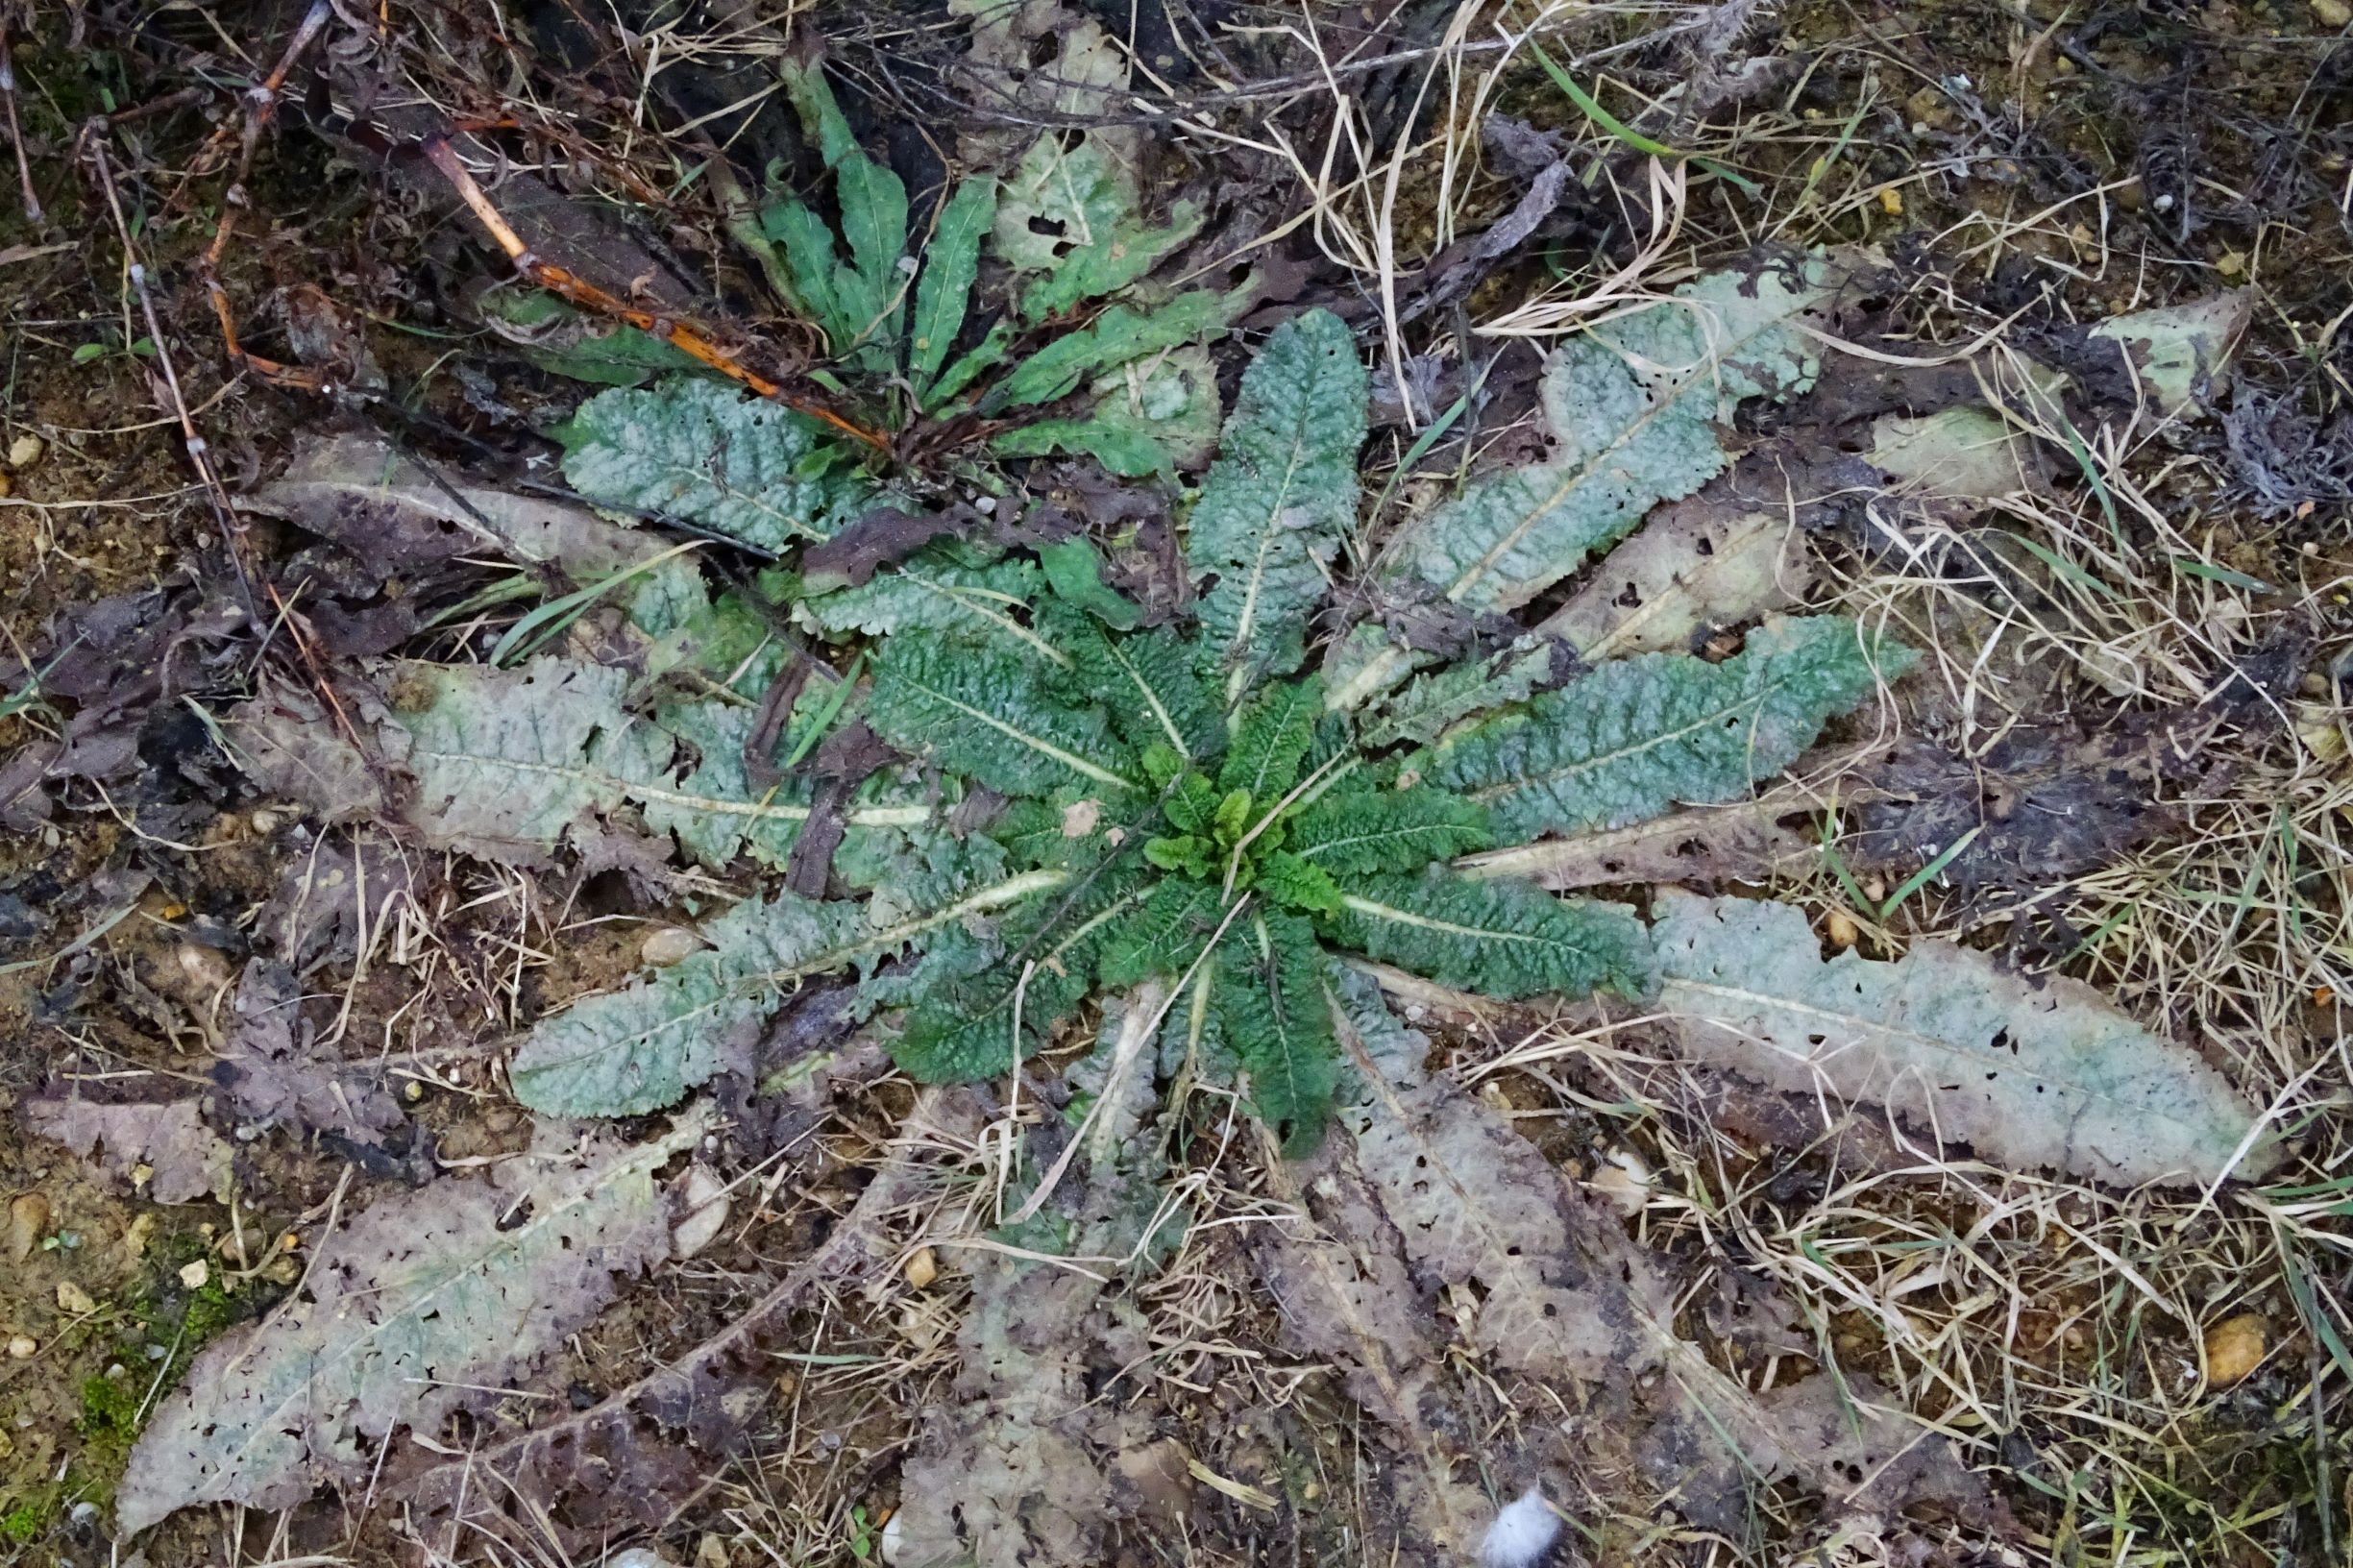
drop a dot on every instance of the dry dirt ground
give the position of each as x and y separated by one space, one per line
2128 1377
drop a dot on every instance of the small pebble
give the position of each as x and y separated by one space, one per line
2332 13
2233 1347
703 1197
196 1275
923 1268
667 945
206 968
26 450
27 1218
72 1298
22 1347
1841 929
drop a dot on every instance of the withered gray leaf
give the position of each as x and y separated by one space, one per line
421 1306
163 1151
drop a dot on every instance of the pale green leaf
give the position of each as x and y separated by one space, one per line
1076 573
987 712
642 1048
509 763
423 1305
1640 736
1505 940
2032 1072
1280 498
1067 215
1635 405
951 263
1149 418
700 452
1431 705
2180 352
931 593
1117 337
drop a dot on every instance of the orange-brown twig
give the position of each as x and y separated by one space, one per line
261 98
296 378
587 295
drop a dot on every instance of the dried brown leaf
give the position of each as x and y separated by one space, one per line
165 1151
1711 560
1009 1475
273 1071
397 513
287 742
1453 1193
637 1458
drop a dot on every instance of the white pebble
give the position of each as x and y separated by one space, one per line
702 1199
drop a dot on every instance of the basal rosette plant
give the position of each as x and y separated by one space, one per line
1180 807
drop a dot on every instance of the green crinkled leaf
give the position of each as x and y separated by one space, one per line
1279 499
983 710
1119 336
1431 705
1271 739
1165 935
1635 405
1075 571
1036 833
935 595
564 341
968 1030
700 452
2032 1071
1637 737
509 763
725 641
1147 679
1368 831
1275 1016
642 1048
1498 939
1067 214
1297 883
951 263
1191 807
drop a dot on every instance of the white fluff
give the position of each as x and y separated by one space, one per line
1522 1534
